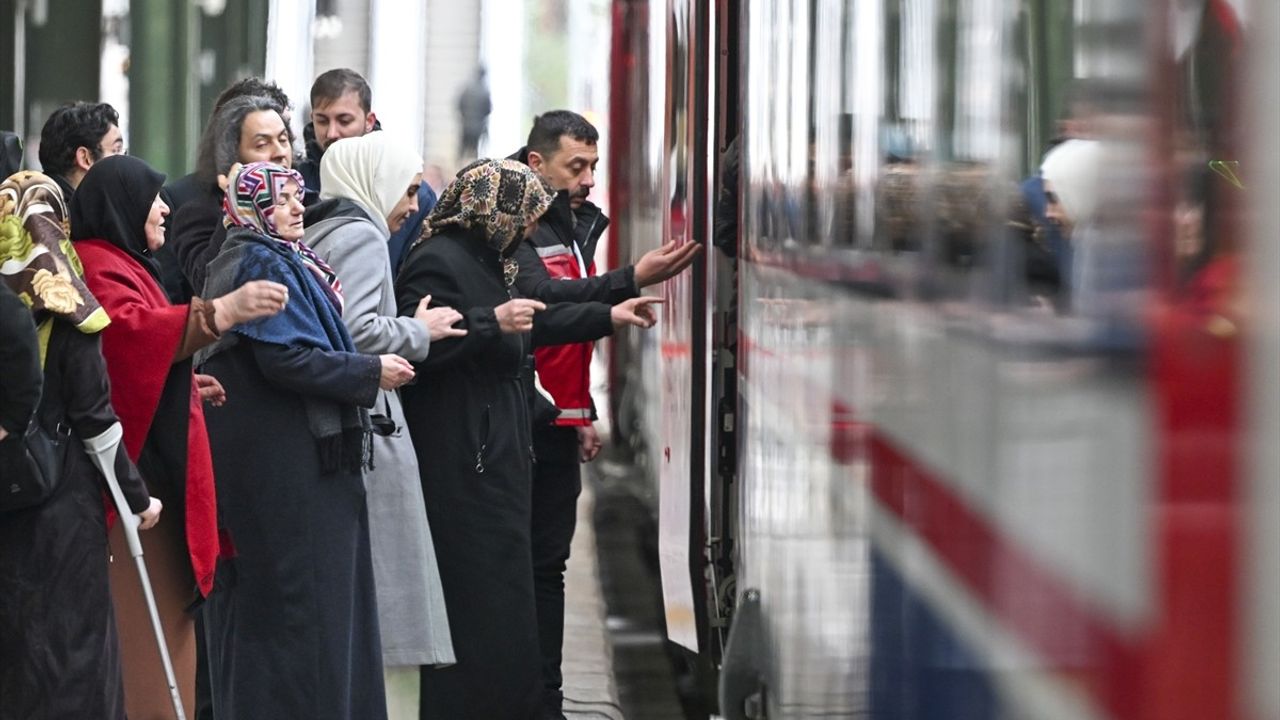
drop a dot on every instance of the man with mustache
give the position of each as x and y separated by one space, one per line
556 266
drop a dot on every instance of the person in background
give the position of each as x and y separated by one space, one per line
117 223
370 190
75 137
249 128
341 107
474 107
59 652
293 625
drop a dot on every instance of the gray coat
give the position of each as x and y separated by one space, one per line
411 610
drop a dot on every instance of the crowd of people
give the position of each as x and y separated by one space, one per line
349 415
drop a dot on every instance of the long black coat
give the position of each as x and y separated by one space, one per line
19 363
292 623
469 414
59 654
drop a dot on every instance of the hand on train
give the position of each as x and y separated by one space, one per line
254 299
439 321
637 311
396 371
211 391
516 316
665 262
589 443
151 515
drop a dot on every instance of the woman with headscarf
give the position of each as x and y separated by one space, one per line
59 654
293 626
117 223
370 184
469 415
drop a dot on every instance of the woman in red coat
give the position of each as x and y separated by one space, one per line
117 222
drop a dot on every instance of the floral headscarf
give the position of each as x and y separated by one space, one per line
495 197
250 202
37 260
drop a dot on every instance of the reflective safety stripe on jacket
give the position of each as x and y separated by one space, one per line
565 370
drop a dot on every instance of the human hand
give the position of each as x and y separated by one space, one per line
665 262
151 515
225 180
439 321
254 299
3 433
516 316
589 443
211 391
637 311
396 371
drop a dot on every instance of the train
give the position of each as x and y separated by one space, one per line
921 447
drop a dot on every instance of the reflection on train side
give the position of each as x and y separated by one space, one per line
988 310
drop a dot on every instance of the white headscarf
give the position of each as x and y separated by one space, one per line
374 170
1074 170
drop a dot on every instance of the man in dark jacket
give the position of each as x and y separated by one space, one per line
556 266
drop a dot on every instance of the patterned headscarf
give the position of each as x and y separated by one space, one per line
37 260
494 197
250 202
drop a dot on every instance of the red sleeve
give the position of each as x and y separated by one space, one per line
141 341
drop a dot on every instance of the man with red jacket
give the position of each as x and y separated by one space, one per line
556 266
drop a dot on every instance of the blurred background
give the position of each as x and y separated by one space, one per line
162 63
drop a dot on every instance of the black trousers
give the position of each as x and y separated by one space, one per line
557 481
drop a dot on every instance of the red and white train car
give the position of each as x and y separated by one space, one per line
928 454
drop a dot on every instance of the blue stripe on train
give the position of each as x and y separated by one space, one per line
920 670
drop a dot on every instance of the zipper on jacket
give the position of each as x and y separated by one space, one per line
483 442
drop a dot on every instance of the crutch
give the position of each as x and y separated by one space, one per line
102 450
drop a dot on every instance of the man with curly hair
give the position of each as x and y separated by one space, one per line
76 136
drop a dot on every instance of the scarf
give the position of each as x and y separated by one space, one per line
37 260
495 199
312 318
112 204
374 170
1074 167
251 200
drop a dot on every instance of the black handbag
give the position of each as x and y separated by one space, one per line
31 464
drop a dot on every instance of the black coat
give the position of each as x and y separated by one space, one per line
197 236
59 654
292 626
20 375
469 414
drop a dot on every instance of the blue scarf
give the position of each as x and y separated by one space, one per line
309 319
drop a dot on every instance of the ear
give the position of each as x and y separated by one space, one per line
536 160
369 121
84 158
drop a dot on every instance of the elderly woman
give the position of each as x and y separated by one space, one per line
370 188
469 414
117 222
293 627
59 656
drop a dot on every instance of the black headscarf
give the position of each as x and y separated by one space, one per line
112 204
